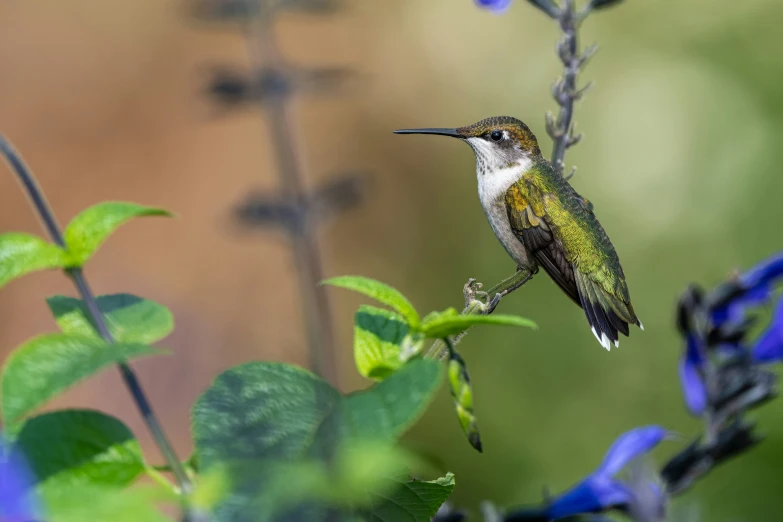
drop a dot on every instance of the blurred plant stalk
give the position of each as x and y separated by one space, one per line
265 55
270 86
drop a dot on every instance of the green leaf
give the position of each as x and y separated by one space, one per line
210 489
67 448
88 230
378 335
355 470
412 501
104 504
258 411
47 365
381 292
261 412
130 319
440 325
278 411
386 410
21 254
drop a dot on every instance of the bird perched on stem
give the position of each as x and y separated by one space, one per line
541 221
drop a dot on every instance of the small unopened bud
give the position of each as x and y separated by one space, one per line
462 393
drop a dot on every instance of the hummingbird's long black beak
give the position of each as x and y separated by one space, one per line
440 132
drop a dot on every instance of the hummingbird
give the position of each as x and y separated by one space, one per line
542 221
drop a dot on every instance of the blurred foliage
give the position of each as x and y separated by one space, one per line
272 440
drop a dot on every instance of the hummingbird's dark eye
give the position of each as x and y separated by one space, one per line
496 135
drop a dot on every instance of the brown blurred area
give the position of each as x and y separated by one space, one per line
106 101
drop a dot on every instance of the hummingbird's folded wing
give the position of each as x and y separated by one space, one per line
589 286
539 240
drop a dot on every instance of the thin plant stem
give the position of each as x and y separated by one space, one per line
561 130
265 55
76 275
564 91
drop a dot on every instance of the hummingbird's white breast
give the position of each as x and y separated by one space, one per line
495 175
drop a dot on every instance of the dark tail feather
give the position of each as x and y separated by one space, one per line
608 317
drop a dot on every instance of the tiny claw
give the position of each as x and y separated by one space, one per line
472 292
571 174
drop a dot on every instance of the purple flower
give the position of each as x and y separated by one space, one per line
691 378
600 491
769 346
16 481
496 6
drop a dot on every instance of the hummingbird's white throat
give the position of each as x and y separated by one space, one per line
497 169
496 172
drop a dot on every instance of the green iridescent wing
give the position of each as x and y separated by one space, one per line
532 229
560 230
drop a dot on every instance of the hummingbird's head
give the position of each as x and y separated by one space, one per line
499 142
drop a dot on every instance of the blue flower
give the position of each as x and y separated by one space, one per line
600 491
16 481
754 287
763 273
691 378
769 345
497 6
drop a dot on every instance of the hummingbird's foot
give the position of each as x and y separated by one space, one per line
472 292
478 301
493 304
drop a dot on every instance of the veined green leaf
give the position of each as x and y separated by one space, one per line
258 413
130 319
381 292
378 336
412 501
438 326
88 230
47 365
68 448
386 410
21 254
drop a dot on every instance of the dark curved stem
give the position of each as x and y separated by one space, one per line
46 215
265 55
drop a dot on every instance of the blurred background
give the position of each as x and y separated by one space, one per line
107 101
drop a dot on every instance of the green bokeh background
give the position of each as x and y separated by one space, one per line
681 158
